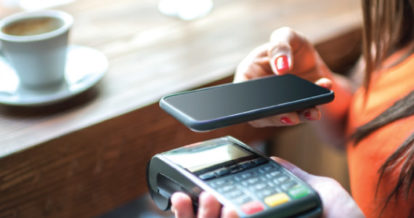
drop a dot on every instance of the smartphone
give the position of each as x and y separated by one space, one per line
223 105
236 174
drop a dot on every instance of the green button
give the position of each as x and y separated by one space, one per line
298 191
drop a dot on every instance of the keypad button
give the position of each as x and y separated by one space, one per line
247 164
242 199
266 192
235 169
282 178
276 181
289 185
270 184
244 176
222 171
276 199
259 186
273 174
207 176
244 183
234 194
252 207
259 161
226 188
266 168
220 182
253 180
299 191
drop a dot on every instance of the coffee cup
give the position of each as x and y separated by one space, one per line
35 45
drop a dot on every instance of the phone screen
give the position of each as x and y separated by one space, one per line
273 94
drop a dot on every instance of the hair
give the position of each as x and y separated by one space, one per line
389 27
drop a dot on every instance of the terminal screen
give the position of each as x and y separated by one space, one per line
195 158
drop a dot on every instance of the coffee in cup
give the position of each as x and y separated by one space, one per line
35 45
32 26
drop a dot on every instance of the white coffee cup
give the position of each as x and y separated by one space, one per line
35 45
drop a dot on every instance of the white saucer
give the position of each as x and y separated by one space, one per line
84 68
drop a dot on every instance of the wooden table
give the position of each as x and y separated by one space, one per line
87 155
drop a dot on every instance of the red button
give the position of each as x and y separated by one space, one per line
252 207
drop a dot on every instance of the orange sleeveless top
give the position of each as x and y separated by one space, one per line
368 156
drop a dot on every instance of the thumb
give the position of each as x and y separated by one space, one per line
280 51
280 58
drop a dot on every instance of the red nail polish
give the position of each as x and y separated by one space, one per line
286 120
308 115
282 64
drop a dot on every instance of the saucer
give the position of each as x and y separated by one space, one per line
84 68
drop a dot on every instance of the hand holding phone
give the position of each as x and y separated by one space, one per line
219 106
287 52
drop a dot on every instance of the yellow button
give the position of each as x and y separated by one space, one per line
276 199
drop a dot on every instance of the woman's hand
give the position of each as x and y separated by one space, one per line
336 201
287 52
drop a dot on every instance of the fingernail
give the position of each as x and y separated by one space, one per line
286 120
308 115
282 64
325 83
326 86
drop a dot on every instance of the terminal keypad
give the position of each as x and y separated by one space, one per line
257 184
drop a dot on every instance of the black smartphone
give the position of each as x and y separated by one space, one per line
219 106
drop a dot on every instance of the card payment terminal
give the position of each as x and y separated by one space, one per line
237 175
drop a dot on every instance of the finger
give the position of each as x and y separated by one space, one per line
182 206
310 114
324 82
239 77
263 62
228 212
281 60
258 70
286 119
293 168
285 41
244 70
280 50
209 206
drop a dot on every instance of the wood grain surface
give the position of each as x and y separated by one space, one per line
87 155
